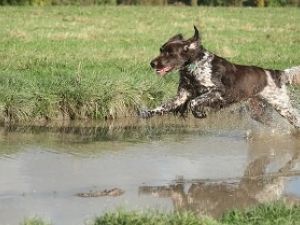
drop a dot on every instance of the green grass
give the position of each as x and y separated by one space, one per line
93 62
133 218
265 214
34 221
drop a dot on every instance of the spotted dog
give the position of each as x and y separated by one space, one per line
210 81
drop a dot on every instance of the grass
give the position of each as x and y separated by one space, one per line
265 214
134 218
34 221
72 63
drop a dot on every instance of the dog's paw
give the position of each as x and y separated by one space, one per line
199 114
145 114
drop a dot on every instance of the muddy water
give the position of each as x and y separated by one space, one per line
168 164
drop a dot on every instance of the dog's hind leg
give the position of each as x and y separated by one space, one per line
259 110
287 111
279 99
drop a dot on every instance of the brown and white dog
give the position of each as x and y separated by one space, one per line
208 80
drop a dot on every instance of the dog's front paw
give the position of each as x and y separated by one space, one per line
145 114
199 114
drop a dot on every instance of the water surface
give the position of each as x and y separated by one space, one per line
208 167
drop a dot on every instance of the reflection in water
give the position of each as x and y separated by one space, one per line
214 197
134 127
82 138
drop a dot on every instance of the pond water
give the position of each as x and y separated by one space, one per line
207 166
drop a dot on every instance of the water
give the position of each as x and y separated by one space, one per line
207 166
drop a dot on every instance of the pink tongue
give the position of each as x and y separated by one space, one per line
163 71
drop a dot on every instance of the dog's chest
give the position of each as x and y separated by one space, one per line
202 71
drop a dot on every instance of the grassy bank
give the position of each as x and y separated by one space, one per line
93 62
266 214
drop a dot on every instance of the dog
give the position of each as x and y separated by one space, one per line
210 81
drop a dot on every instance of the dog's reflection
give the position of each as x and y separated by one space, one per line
215 197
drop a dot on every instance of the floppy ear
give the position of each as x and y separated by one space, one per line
177 37
193 42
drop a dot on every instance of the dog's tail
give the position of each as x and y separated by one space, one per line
292 75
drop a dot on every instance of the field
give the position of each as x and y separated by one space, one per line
72 63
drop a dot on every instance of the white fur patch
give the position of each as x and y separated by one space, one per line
193 45
279 99
193 103
273 94
202 70
181 98
158 109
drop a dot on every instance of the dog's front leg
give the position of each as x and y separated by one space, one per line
172 106
212 99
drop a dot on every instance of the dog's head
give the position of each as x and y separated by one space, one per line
176 53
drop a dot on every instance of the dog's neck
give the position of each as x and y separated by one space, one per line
202 58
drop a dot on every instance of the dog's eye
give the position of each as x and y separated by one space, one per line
169 52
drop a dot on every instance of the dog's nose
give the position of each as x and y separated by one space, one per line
153 63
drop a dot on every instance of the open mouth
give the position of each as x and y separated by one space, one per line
164 70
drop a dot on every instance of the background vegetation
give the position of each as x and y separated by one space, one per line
69 63
258 3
